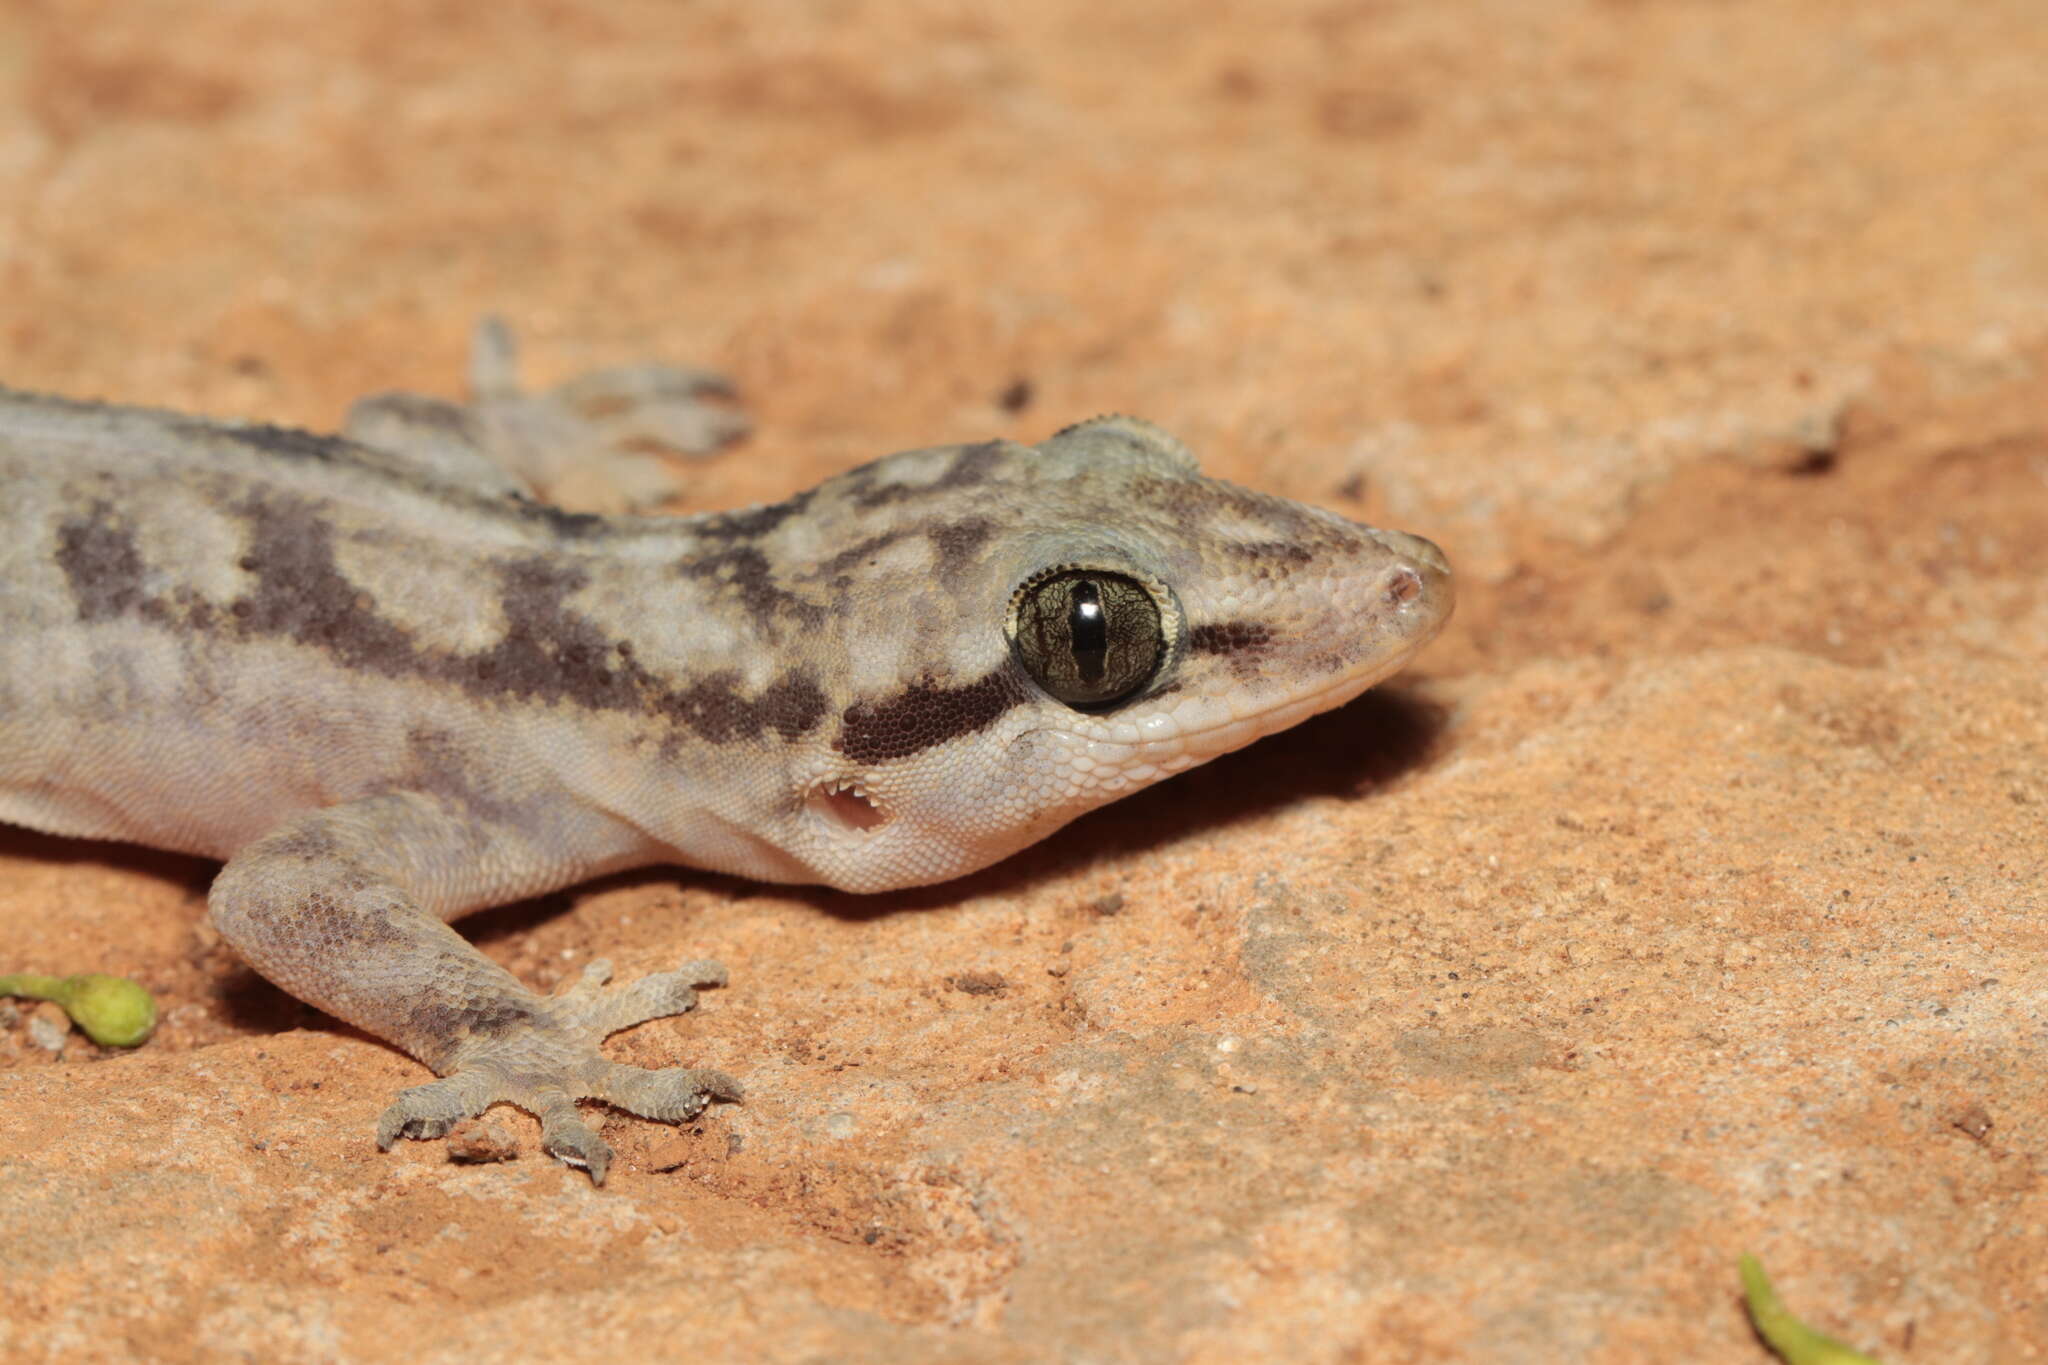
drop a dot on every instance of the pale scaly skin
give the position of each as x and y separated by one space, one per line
388 688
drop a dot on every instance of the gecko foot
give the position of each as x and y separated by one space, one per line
661 405
546 1058
595 442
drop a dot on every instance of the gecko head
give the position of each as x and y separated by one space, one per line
1041 630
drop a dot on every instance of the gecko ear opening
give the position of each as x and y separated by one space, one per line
845 803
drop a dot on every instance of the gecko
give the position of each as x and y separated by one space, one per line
385 683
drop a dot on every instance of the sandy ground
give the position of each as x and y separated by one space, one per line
1688 897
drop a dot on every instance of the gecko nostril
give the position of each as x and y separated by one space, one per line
1404 587
846 803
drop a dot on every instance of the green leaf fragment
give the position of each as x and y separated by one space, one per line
111 1010
1792 1339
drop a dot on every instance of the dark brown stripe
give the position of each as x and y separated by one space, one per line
287 443
1230 637
1271 551
290 443
299 593
971 465
925 715
754 522
746 573
716 711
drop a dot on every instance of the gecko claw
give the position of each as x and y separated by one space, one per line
567 1138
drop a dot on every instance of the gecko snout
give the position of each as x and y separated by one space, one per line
1423 552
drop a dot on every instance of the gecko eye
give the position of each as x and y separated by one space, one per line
1089 638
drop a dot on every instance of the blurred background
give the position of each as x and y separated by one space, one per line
1695 911
1438 260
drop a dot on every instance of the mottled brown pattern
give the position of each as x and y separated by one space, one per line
307 843
551 653
959 542
971 465
792 705
748 574
321 915
101 565
548 653
302 595
1202 502
716 711
754 522
483 1019
839 567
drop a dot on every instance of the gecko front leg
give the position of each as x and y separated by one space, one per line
342 907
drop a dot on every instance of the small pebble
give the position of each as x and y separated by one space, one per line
474 1141
48 1027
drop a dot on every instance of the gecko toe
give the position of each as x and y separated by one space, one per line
429 1111
669 1096
596 973
651 997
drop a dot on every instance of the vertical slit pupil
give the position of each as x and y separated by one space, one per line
1088 631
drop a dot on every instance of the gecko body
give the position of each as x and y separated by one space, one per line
386 686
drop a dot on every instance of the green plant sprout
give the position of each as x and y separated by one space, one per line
111 1010
1792 1339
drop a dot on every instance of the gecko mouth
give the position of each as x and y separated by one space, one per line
844 803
